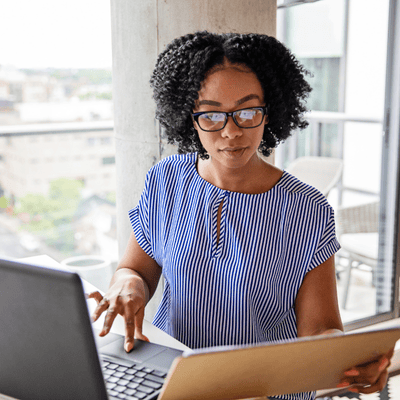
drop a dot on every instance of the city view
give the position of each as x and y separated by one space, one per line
54 95
57 162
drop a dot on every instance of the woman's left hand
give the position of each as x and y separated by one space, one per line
369 377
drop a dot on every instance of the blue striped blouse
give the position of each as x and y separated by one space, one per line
240 289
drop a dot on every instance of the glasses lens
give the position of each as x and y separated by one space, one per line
211 121
249 117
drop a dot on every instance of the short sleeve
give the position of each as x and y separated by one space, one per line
328 244
140 220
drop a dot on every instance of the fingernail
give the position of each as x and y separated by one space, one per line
353 389
384 364
128 346
342 384
104 331
352 372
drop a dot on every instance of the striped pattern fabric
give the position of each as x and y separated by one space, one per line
240 289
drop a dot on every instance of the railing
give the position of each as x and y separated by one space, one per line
55 128
290 3
317 120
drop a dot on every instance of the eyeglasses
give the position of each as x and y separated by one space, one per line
246 118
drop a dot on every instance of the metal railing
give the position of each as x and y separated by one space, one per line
55 128
317 120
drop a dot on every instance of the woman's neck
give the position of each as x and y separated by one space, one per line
256 177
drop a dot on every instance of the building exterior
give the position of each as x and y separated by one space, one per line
30 161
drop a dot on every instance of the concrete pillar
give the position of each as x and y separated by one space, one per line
134 52
140 30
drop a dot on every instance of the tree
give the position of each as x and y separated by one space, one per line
3 202
51 217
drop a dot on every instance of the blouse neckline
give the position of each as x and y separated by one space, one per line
194 166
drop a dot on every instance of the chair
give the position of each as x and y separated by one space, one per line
321 172
357 228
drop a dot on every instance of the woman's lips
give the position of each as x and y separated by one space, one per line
233 151
233 148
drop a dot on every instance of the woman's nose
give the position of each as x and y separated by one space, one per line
231 130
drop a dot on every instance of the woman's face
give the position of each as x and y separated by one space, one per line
228 88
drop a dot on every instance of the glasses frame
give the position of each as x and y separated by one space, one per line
264 109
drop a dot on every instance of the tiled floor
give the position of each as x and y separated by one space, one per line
394 392
394 388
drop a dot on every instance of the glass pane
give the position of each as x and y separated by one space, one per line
57 155
325 82
346 125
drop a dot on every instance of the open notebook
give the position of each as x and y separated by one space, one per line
48 351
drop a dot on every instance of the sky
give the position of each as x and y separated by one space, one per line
55 33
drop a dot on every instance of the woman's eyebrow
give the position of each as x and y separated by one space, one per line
218 104
209 103
247 98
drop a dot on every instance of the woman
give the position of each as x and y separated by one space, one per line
246 250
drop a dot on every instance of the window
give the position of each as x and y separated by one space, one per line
108 160
106 140
50 132
346 123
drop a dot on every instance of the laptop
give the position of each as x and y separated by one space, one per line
48 350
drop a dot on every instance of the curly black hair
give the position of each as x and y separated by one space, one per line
183 65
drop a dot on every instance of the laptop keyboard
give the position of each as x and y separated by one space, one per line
134 382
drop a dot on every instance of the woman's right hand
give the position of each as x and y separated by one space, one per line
127 296
132 286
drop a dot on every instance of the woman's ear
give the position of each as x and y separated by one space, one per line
194 124
266 115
